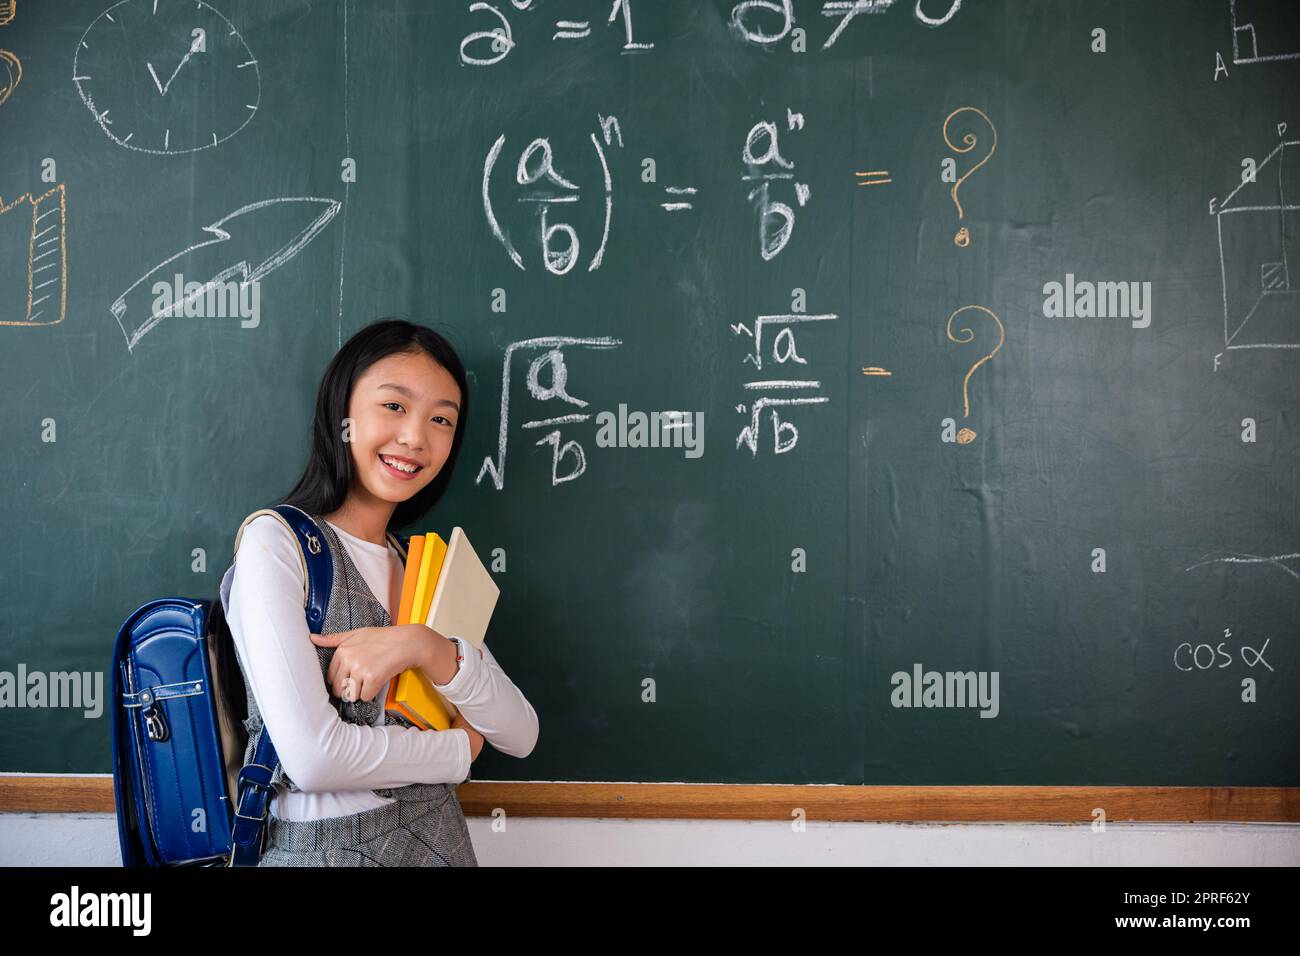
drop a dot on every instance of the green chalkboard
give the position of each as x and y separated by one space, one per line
716 209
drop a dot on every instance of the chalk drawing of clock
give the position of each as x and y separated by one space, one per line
166 76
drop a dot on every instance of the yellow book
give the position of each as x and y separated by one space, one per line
414 556
431 566
412 695
412 574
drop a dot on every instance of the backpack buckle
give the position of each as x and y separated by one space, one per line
259 781
155 723
248 830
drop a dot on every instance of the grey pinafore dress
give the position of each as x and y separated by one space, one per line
424 827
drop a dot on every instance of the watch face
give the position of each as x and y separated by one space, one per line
166 76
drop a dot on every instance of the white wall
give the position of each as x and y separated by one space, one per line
90 839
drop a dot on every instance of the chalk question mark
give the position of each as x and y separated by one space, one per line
13 68
963 234
966 435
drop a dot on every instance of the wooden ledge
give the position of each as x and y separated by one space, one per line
690 801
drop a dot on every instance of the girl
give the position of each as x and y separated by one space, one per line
356 787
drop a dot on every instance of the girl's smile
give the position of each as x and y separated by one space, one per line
398 473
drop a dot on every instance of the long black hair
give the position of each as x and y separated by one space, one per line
330 474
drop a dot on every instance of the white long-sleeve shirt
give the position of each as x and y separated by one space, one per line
336 764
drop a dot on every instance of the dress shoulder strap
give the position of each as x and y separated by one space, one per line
400 543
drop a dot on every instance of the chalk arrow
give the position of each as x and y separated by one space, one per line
134 308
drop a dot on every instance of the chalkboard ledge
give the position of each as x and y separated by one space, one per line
93 793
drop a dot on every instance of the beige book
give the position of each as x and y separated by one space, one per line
465 597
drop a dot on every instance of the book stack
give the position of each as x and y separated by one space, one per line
447 588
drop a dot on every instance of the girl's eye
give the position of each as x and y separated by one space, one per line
436 418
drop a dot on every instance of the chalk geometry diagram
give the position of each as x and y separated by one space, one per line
33 244
1257 230
1246 37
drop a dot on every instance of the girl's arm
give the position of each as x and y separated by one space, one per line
319 751
491 702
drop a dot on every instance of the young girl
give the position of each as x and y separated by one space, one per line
356 787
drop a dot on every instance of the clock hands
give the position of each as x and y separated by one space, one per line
164 87
161 91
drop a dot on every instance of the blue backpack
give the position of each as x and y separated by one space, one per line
172 741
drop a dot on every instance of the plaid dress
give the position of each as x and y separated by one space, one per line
424 827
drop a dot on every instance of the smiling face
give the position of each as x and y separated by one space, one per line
404 408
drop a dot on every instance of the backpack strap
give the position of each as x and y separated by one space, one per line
401 542
317 568
254 786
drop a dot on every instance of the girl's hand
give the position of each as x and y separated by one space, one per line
438 657
368 657
475 738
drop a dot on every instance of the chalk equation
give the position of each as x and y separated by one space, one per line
1189 657
1192 656
544 181
784 351
568 457
767 22
547 186
539 184
757 22
491 46
766 166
